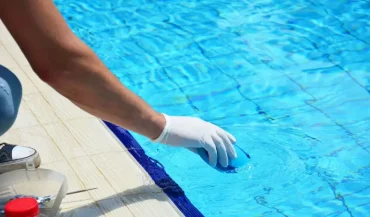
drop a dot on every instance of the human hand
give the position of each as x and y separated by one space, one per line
193 133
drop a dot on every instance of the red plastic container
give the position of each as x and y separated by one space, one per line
22 207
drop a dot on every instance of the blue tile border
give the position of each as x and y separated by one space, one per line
156 172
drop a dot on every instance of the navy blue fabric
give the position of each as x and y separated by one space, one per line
10 98
156 171
6 153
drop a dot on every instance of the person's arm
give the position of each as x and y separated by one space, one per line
63 61
67 64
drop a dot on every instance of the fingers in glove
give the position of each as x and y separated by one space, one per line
228 140
231 137
230 149
221 151
221 131
212 151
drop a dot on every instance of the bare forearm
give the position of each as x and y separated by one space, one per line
72 68
89 84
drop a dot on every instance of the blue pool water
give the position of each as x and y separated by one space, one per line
289 79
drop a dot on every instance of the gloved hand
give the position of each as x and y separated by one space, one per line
191 132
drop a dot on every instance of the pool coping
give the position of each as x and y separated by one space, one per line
156 171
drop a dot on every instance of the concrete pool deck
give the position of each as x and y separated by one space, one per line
81 147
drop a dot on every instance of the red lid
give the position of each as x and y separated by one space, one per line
22 207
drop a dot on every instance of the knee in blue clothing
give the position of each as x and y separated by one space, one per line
10 98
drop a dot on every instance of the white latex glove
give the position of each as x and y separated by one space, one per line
192 133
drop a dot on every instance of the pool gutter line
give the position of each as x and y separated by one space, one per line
156 171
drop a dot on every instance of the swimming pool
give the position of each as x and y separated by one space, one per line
290 80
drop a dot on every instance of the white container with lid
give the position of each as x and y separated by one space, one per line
34 183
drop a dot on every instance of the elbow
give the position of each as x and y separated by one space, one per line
50 77
66 70
47 76
60 66
59 80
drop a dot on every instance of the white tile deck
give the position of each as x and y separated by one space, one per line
81 147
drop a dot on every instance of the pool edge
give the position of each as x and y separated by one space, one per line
156 171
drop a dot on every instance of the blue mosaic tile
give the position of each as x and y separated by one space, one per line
168 98
313 77
166 42
227 111
304 116
182 108
153 75
234 65
284 101
110 32
132 64
344 91
213 94
328 134
192 53
214 46
339 112
360 73
192 73
361 131
355 201
269 87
